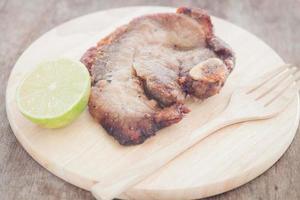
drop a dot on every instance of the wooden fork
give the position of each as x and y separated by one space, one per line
263 98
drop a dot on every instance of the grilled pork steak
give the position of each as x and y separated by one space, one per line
142 72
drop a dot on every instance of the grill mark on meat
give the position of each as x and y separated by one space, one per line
140 72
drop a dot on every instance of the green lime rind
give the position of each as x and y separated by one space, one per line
65 117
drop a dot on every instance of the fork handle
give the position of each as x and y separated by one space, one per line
116 182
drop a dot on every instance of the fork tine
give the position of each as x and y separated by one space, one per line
266 77
288 84
284 99
272 83
297 76
297 85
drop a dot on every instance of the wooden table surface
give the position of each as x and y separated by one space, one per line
277 22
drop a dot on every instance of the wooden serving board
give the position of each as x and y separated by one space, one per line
82 152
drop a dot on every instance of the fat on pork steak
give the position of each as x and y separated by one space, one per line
144 70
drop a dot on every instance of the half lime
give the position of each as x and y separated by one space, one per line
54 93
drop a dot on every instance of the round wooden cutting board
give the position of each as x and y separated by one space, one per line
82 152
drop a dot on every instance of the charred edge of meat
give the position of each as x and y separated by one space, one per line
223 51
113 36
201 16
148 125
88 58
133 136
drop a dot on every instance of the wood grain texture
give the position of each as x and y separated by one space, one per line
22 178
